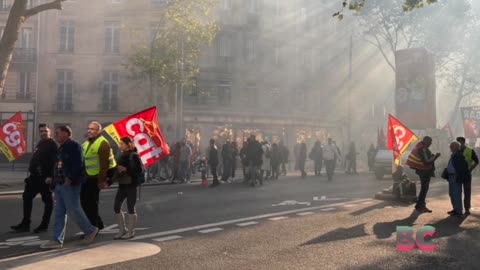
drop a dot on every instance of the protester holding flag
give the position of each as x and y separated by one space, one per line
423 162
40 169
98 160
128 169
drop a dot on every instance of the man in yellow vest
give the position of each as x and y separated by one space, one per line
472 161
99 160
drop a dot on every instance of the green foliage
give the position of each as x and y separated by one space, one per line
183 29
357 6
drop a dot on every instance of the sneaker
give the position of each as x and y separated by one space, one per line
21 228
90 237
52 244
41 229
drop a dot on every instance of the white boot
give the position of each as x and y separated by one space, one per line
132 222
122 230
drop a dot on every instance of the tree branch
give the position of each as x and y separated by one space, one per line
57 4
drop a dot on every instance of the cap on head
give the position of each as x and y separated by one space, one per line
461 140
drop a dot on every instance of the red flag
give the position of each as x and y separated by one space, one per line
12 140
399 138
145 132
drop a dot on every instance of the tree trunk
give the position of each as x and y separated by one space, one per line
10 36
17 16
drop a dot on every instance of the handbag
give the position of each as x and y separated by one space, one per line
445 174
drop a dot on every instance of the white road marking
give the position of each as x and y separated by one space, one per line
75 260
327 209
349 205
290 202
21 239
368 202
199 227
305 213
277 218
247 223
324 198
211 230
167 238
35 243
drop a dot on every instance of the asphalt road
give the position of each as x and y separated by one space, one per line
290 223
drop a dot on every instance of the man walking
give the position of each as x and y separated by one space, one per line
330 155
458 172
99 160
423 161
472 162
212 154
40 169
185 158
68 178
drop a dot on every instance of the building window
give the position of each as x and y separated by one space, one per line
110 91
250 50
252 6
226 4
24 83
112 37
277 55
224 93
224 46
4 5
67 36
64 90
252 95
159 2
26 38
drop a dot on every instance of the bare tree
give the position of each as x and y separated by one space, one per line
18 15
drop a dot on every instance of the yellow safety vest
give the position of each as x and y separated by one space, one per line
468 153
92 159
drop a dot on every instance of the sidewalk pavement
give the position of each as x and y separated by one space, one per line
12 182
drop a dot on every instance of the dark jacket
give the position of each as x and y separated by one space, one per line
253 153
70 163
462 173
132 162
212 156
427 158
43 161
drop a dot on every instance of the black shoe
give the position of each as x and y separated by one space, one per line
423 209
21 228
451 212
40 229
100 226
456 214
467 212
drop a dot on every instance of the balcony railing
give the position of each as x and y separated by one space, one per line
24 96
24 55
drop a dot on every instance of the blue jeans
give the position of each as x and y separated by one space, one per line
68 202
455 192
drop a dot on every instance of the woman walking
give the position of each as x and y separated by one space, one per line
128 170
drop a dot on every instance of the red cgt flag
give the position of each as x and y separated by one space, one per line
399 138
12 140
145 132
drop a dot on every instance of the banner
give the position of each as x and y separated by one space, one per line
399 138
12 140
415 98
145 132
471 122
